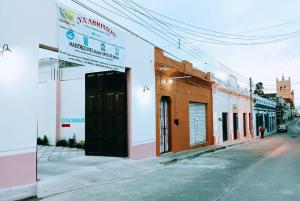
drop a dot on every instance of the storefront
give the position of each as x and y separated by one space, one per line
265 115
232 111
183 105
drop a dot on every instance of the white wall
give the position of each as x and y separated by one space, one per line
18 77
47 111
73 108
225 102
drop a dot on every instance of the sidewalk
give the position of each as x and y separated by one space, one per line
46 153
60 172
66 174
170 158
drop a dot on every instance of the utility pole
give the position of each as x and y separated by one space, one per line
251 107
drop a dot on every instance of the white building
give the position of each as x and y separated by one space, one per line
231 108
37 97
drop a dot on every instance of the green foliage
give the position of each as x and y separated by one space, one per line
62 143
43 141
72 141
259 89
80 145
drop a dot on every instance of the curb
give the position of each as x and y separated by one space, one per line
192 155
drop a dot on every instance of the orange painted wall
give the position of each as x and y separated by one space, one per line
181 91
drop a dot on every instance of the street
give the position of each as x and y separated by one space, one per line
267 169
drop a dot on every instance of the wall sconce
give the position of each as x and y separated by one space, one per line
146 88
5 49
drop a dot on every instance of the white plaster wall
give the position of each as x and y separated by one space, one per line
73 106
224 102
220 105
18 77
47 111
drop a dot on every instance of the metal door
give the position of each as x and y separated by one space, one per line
164 125
235 125
197 122
106 114
224 126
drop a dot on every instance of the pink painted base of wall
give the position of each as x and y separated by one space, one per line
142 151
17 170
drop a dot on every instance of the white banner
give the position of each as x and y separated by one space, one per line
89 41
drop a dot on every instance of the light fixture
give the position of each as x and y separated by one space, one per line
146 88
5 48
183 77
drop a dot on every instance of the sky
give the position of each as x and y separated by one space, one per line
263 63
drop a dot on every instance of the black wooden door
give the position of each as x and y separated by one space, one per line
235 125
106 114
224 125
244 124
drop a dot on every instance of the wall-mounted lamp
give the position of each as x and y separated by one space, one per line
5 49
146 88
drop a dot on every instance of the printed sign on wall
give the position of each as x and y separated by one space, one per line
89 41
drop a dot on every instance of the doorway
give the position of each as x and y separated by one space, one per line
224 126
235 125
165 134
197 123
106 114
259 123
245 124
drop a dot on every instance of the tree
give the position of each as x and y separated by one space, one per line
259 89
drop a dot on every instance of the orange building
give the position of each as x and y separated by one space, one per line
184 118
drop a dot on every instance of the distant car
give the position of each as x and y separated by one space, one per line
282 128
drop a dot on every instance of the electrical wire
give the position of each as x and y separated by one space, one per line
271 39
198 53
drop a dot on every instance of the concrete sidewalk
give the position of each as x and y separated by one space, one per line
61 175
46 153
62 170
170 158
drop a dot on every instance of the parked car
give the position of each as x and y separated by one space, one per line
282 128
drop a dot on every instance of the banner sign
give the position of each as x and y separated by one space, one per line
89 41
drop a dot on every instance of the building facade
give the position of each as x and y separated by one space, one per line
284 88
38 97
265 115
232 111
108 109
183 105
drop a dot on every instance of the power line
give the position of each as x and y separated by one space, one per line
141 24
119 25
289 60
223 33
198 52
212 38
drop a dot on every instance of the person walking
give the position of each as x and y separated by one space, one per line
262 131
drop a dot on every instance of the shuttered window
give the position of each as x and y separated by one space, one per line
197 119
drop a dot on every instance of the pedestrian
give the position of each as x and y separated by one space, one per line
262 131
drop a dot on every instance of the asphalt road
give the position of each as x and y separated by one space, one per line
267 169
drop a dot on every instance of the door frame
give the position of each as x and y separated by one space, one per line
126 113
235 125
167 99
223 114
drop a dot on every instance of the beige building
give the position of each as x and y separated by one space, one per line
284 88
